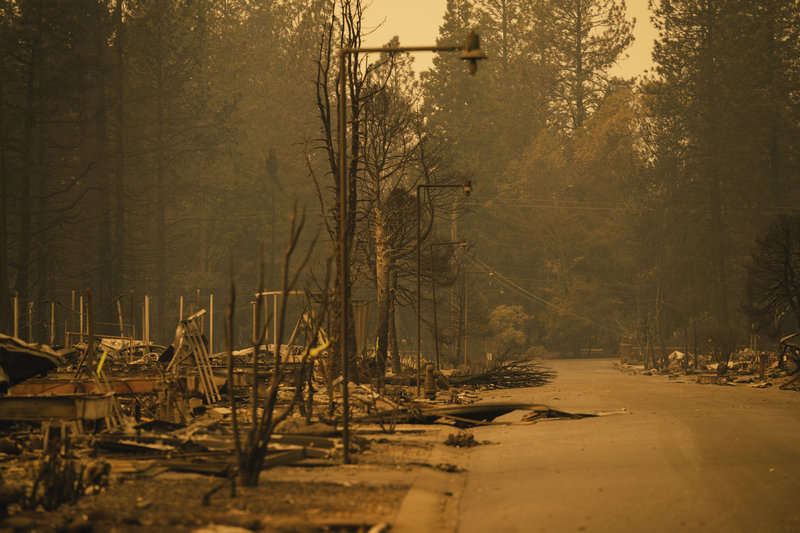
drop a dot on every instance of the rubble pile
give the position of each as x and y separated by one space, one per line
103 413
745 366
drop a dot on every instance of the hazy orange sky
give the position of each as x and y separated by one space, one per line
417 23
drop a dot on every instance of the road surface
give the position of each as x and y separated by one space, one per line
680 457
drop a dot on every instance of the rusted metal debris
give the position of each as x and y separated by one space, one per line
63 407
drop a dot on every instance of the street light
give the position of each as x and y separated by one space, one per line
433 289
466 186
471 52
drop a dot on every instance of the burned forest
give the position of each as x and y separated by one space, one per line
262 269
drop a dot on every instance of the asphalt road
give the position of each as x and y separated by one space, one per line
680 457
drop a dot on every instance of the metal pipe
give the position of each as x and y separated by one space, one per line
71 320
133 319
466 296
253 309
80 317
274 320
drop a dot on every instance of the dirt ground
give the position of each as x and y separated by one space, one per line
313 495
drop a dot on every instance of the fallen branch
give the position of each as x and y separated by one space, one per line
506 373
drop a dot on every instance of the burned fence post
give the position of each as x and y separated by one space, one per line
52 322
71 320
146 325
119 316
16 315
80 318
90 326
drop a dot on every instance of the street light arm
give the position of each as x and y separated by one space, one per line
400 49
470 51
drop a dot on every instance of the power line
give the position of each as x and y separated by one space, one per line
575 205
565 207
524 292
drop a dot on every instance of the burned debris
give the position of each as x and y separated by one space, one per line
20 361
108 411
140 423
757 369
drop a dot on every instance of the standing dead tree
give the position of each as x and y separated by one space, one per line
252 449
343 25
390 152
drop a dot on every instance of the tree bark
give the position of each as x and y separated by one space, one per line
580 111
24 260
391 335
118 248
382 269
106 267
5 296
161 205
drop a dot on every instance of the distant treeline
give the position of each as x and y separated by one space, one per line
146 145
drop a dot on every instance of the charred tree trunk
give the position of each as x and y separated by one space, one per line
24 253
392 332
382 282
580 108
5 296
105 265
41 250
118 248
160 238
274 188
719 250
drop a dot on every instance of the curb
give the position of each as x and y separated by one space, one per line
431 504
